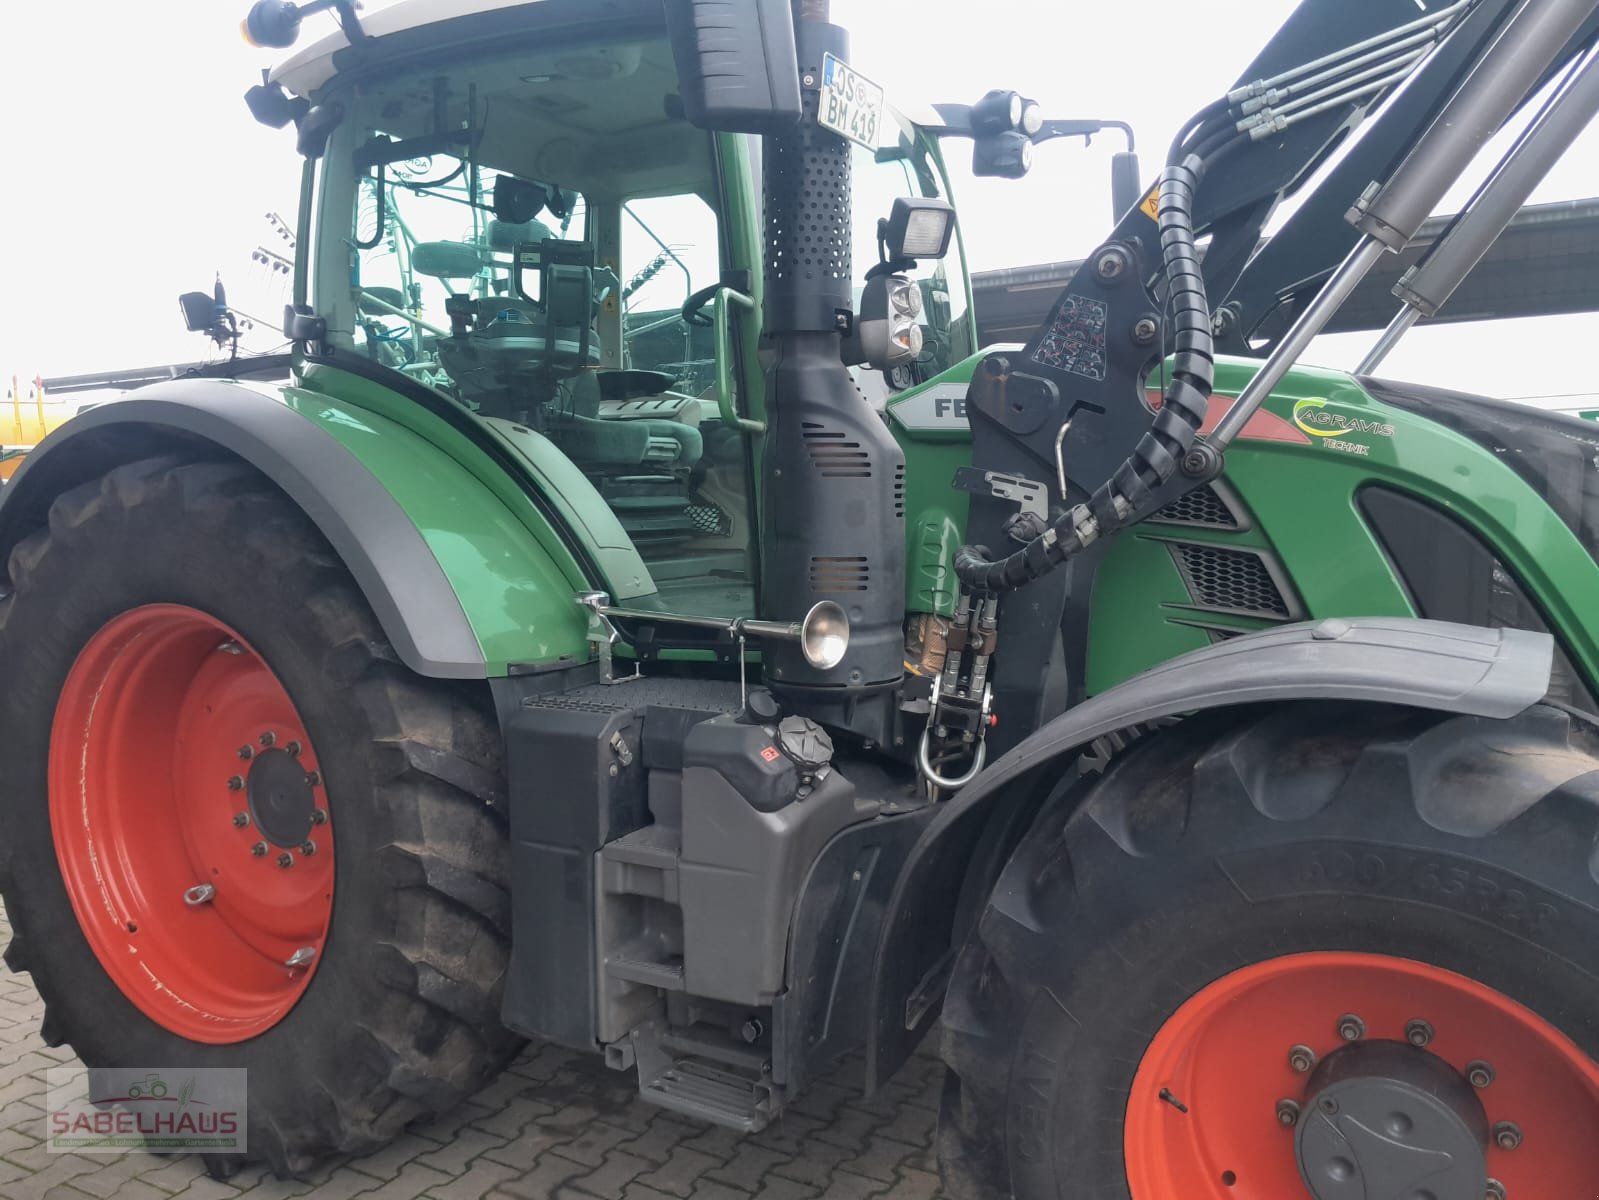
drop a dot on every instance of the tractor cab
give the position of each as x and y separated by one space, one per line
528 225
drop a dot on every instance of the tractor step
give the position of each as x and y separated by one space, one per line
695 1088
676 1072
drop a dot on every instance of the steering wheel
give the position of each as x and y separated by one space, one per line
693 310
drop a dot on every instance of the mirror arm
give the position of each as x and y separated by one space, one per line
1083 129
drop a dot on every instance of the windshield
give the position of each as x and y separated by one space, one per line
903 166
425 232
669 244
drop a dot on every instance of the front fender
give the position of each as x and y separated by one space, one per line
462 589
1423 664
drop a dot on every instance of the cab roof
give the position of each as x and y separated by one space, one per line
304 72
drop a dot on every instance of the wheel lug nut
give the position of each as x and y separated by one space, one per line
1496 1191
1507 1135
1287 1113
294 749
285 860
259 849
246 752
1419 1033
1302 1058
308 848
1351 1028
1480 1073
313 778
236 784
318 817
241 819
269 738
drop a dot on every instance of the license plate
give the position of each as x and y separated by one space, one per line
851 105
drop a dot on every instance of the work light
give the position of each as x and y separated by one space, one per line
919 227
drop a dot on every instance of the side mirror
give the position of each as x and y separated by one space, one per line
211 316
737 64
1126 184
200 311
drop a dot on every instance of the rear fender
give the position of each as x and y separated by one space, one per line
1433 665
462 589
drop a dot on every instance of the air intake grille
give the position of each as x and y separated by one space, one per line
834 455
840 574
899 490
1235 580
1202 506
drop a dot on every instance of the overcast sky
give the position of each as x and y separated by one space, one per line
136 172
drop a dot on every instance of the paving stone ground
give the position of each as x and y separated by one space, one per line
555 1126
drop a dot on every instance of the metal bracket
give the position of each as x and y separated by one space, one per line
602 635
1031 497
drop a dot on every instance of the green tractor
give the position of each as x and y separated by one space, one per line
1202 747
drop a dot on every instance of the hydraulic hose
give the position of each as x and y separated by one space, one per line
1156 457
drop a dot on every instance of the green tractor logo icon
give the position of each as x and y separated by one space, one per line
151 1085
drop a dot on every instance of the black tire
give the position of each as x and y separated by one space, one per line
401 1017
1196 854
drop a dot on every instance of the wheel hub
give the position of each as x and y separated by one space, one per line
1389 1121
281 799
1442 1089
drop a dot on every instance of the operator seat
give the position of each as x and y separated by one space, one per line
620 445
641 467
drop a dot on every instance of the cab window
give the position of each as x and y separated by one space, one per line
560 317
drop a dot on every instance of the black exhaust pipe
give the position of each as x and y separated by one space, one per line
834 525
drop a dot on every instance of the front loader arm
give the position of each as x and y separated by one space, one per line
1258 287
1069 409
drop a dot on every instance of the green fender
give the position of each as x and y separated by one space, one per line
469 565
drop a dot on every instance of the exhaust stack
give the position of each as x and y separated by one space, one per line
834 524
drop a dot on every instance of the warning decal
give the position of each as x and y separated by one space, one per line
1075 340
1151 204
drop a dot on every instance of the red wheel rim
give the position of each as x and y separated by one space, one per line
1224 1057
169 727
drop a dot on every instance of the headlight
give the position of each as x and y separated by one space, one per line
908 338
907 300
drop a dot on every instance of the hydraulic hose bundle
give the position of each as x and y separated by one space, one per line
1156 457
1361 72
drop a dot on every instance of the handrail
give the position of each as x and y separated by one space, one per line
726 299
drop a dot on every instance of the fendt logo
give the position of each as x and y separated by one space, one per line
1316 418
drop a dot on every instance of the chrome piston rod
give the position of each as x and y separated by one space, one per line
1391 213
1427 286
